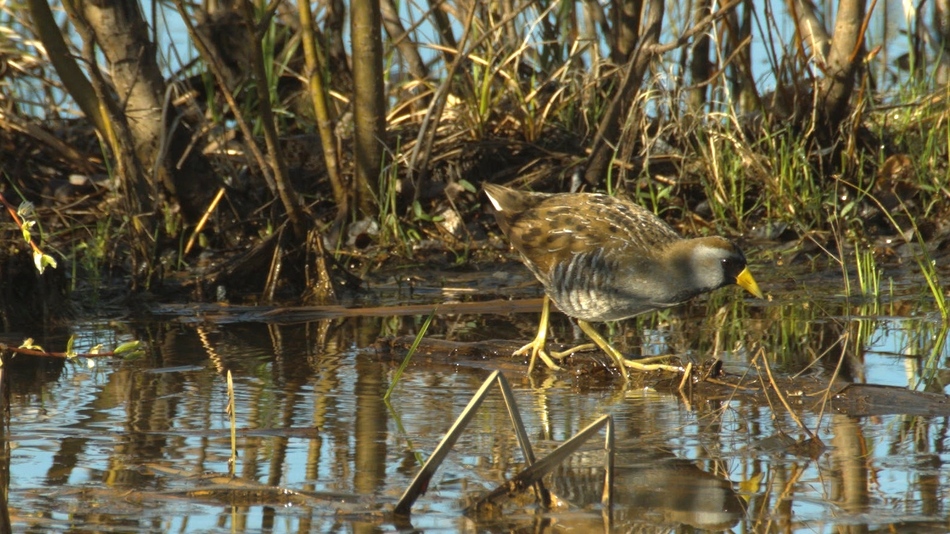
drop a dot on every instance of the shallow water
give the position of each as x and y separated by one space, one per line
114 445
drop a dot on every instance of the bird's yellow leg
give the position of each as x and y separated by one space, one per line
537 345
652 359
621 361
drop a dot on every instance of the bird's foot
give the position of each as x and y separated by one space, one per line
622 362
536 348
645 365
565 353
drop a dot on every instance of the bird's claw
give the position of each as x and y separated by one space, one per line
536 348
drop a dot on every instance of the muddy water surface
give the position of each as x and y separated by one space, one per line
115 445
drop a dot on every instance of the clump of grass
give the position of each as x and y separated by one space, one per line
928 268
728 182
868 271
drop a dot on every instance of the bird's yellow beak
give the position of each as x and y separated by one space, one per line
745 281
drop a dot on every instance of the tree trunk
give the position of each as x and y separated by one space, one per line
743 83
444 27
810 27
626 29
321 108
401 40
836 88
699 67
65 64
159 144
369 109
619 109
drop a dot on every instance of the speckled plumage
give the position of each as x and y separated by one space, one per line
601 258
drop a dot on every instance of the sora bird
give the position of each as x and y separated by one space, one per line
601 258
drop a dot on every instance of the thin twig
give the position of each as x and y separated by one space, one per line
778 392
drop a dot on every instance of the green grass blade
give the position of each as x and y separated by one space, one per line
412 350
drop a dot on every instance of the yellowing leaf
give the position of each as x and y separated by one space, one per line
127 346
29 345
42 261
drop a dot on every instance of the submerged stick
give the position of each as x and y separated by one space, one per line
533 473
420 484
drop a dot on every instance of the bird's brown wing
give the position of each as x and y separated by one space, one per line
561 226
